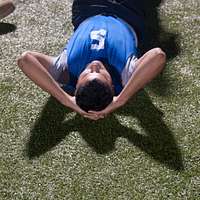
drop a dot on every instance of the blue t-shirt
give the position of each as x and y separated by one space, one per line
104 38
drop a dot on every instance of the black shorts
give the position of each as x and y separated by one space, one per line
131 11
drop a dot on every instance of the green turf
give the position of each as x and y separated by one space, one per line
146 150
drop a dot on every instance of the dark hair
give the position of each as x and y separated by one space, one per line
94 95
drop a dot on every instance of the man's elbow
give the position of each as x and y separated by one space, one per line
160 54
161 58
23 58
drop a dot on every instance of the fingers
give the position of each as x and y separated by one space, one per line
93 116
96 113
100 114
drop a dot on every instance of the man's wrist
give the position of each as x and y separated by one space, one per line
65 99
120 101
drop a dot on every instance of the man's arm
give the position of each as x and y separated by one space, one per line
147 68
36 69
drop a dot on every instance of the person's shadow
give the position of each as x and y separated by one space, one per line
158 141
6 28
158 36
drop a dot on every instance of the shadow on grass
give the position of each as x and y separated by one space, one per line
7 28
48 130
158 36
159 142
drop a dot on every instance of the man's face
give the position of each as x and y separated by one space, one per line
94 70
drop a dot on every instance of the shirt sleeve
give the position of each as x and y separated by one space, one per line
59 65
129 70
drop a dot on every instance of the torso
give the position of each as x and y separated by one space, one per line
103 38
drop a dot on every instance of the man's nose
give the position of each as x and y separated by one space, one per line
95 68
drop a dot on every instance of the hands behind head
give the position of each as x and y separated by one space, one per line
96 115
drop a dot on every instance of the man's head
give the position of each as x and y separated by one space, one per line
94 90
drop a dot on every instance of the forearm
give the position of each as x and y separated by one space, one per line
41 77
148 67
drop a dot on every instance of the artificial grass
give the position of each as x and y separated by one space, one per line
147 150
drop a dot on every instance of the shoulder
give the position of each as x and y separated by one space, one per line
59 69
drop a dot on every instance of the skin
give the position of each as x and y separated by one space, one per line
94 70
36 67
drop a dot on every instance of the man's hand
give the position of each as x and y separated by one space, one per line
115 104
95 115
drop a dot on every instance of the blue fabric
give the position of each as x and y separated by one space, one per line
104 38
131 11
